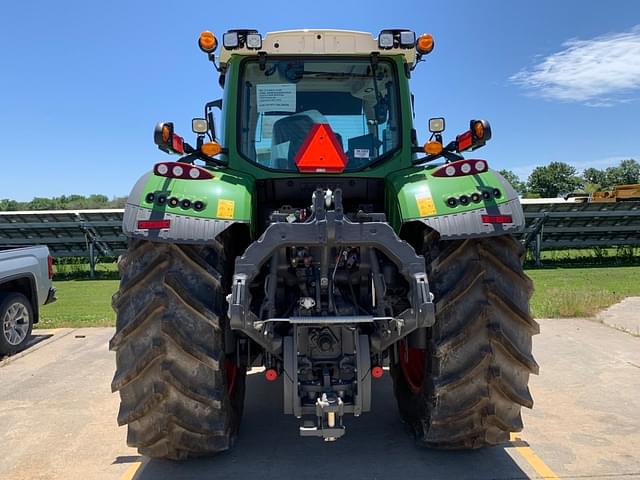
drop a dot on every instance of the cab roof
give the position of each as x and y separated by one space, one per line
318 42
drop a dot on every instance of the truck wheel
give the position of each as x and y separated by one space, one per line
467 388
180 395
16 322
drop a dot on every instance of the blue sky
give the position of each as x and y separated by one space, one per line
83 83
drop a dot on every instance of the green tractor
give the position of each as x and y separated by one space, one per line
314 238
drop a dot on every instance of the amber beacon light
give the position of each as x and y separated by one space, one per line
424 45
207 42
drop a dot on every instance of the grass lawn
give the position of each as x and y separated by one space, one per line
581 292
560 292
81 303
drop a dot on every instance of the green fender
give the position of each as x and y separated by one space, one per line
421 197
227 198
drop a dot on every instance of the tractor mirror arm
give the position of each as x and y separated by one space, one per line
209 161
476 137
448 152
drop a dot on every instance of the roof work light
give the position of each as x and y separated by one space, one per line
242 38
388 39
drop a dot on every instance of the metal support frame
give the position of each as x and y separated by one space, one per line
538 248
330 229
92 260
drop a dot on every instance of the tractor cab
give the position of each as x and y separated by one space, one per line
284 86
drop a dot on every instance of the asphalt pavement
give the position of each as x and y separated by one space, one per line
57 420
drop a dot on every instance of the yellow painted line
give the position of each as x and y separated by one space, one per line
134 469
534 460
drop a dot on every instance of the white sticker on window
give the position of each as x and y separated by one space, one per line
280 97
361 153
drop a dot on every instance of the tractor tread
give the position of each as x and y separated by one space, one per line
479 356
170 351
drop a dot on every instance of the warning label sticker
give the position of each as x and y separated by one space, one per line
225 208
426 207
279 97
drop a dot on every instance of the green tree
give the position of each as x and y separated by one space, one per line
63 202
628 172
8 205
41 203
553 180
517 184
595 177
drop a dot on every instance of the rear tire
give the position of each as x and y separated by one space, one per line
16 322
478 359
180 395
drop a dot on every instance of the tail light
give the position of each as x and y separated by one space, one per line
181 170
153 224
477 136
50 266
461 168
497 219
166 140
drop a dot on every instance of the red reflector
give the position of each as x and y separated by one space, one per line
377 371
50 265
271 374
321 152
497 219
465 141
177 144
153 224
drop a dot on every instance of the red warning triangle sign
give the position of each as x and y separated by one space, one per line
321 151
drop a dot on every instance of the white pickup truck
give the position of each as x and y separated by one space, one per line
25 285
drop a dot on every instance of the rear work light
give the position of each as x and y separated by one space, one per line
461 168
181 170
153 224
497 219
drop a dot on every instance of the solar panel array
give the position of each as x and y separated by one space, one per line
67 233
551 224
570 224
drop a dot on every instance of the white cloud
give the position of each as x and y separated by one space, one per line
600 72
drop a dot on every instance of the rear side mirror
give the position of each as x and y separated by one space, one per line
208 113
436 125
